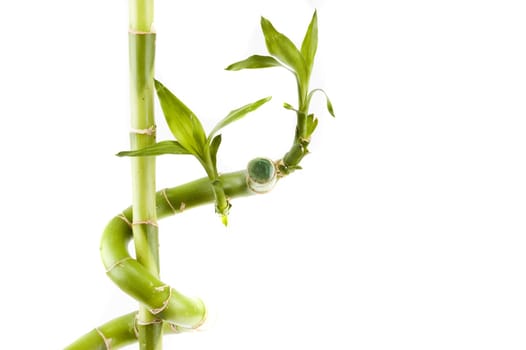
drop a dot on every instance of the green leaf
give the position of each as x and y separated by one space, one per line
291 108
310 43
284 49
312 123
255 61
237 114
214 147
295 167
183 123
329 103
160 148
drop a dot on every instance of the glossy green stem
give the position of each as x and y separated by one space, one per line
298 150
145 232
199 192
180 311
141 15
115 334
162 301
222 205
142 48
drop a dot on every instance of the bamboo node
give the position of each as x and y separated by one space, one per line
135 329
145 222
107 342
117 263
147 323
168 201
150 131
125 219
174 328
304 141
280 164
165 303
138 32
161 288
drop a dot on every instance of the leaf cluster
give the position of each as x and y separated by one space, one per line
300 61
190 138
189 134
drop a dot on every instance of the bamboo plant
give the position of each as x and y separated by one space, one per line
162 309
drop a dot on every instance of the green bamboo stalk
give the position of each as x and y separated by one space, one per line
142 48
162 307
159 299
180 312
115 334
298 150
141 15
144 223
133 278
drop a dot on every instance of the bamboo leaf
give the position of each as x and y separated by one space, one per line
198 133
160 148
214 147
291 108
288 106
183 123
310 43
255 61
284 49
237 114
329 103
312 123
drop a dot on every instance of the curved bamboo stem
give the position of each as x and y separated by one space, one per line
114 334
134 279
180 312
160 305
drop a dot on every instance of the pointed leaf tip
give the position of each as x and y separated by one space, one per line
309 45
158 85
254 62
288 106
237 114
281 47
157 149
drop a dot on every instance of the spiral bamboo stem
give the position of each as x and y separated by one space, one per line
179 312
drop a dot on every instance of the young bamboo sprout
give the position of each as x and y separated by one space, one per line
283 53
191 139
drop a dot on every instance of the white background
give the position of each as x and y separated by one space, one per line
405 230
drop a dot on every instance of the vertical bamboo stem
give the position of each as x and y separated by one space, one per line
145 233
299 147
141 15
